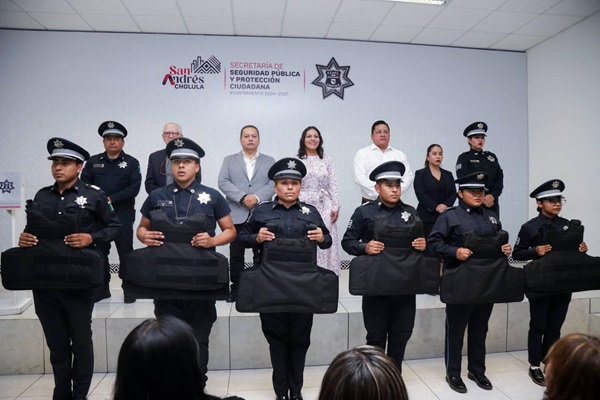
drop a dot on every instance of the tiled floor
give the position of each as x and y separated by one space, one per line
424 379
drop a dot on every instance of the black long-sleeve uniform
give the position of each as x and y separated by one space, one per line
288 334
474 161
547 313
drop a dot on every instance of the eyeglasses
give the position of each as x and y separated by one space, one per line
556 200
171 133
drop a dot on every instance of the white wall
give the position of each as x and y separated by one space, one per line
67 83
563 77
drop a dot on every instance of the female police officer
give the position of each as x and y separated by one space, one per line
288 333
446 240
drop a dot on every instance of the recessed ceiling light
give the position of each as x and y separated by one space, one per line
430 2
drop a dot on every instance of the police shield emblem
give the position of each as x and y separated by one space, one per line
333 79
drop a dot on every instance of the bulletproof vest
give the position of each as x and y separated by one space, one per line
175 270
51 264
486 276
288 279
564 269
399 269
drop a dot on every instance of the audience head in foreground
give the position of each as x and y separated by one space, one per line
159 360
364 372
573 368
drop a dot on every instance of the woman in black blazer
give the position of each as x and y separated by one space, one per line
434 188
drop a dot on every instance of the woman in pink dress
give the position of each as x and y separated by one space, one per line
319 188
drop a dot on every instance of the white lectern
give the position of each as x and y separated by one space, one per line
12 200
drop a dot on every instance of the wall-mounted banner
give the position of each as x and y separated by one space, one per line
333 79
10 190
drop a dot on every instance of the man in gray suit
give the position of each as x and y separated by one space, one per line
244 181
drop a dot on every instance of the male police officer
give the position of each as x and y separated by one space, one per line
66 315
388 319
476 160
118 175
181 200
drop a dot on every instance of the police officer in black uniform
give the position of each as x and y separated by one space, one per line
179 200
388 319
477 159
548 312
119 176
66 315
288 333
446 240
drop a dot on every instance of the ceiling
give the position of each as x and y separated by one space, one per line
515 25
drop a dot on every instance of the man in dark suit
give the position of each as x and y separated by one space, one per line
244 181
159 166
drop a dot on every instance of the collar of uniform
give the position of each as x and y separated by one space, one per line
192 188
278 204
105 156
374 147
469 209
545 218
475 153
78 183
380 204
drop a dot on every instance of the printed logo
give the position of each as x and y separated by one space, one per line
6 186
333 79
192 77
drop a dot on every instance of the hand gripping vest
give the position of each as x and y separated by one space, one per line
51 264
175 270
288 280
485 277
399 269
564 269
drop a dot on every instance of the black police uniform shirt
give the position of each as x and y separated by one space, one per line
531 235
474 161
448 232
362 224
90 203
119 178
180 203
291 222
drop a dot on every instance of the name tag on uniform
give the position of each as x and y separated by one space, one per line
165 203
98 165
474 161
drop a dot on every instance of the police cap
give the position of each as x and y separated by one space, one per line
476 180
288 167
112 128
552 188
476 128
389 171
184 148
63 148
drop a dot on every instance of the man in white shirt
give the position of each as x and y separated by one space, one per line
244 181
378 152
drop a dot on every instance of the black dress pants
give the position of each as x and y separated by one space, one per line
66 318
458 318
548 313
288 335
389 319
199 314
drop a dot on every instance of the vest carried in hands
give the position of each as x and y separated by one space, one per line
175 270
399 269
288 279
51 264
485 277
564 269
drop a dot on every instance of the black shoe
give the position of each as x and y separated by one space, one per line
296 396
101 293
481 380
456 384
537 376
284 397
128 300
233 295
